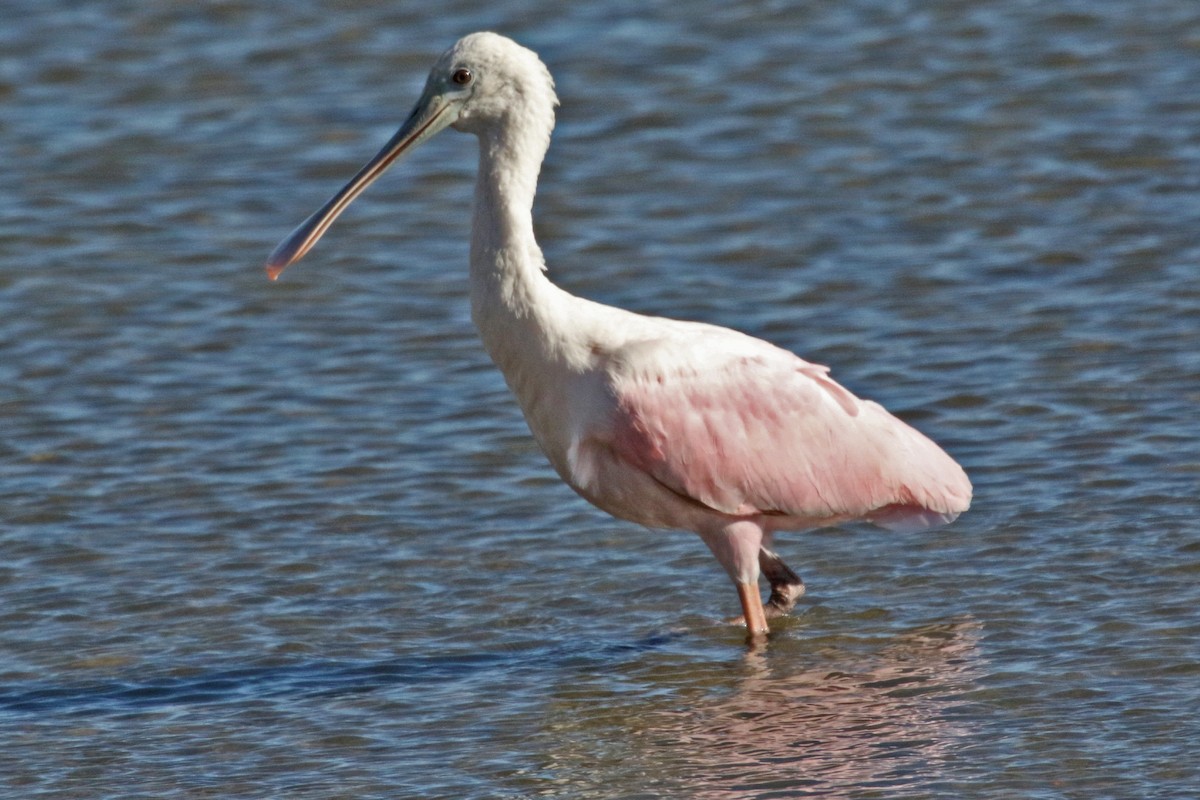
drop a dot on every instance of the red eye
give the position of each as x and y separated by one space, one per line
462 76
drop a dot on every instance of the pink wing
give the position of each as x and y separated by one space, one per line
756 430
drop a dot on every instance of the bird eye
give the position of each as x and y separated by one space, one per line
462 76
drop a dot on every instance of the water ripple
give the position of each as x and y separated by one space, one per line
262 540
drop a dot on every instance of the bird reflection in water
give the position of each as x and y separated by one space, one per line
819 722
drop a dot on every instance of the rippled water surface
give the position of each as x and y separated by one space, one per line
293 539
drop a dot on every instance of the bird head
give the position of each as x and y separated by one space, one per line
485 84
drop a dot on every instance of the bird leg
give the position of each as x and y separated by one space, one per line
752 611
737 546
786 586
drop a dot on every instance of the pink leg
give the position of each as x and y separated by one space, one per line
736 546
752 610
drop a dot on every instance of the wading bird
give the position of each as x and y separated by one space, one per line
665 423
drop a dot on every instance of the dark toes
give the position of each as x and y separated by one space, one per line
783 598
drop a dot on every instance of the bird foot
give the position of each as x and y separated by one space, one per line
781 602
786 585
783 598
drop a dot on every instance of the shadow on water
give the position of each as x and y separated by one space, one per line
313 679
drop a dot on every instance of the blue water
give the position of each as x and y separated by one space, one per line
293 539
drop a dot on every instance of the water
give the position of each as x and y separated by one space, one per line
292 540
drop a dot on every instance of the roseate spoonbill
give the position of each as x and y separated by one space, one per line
666 423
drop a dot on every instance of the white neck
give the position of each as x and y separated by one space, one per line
513 303
504 252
